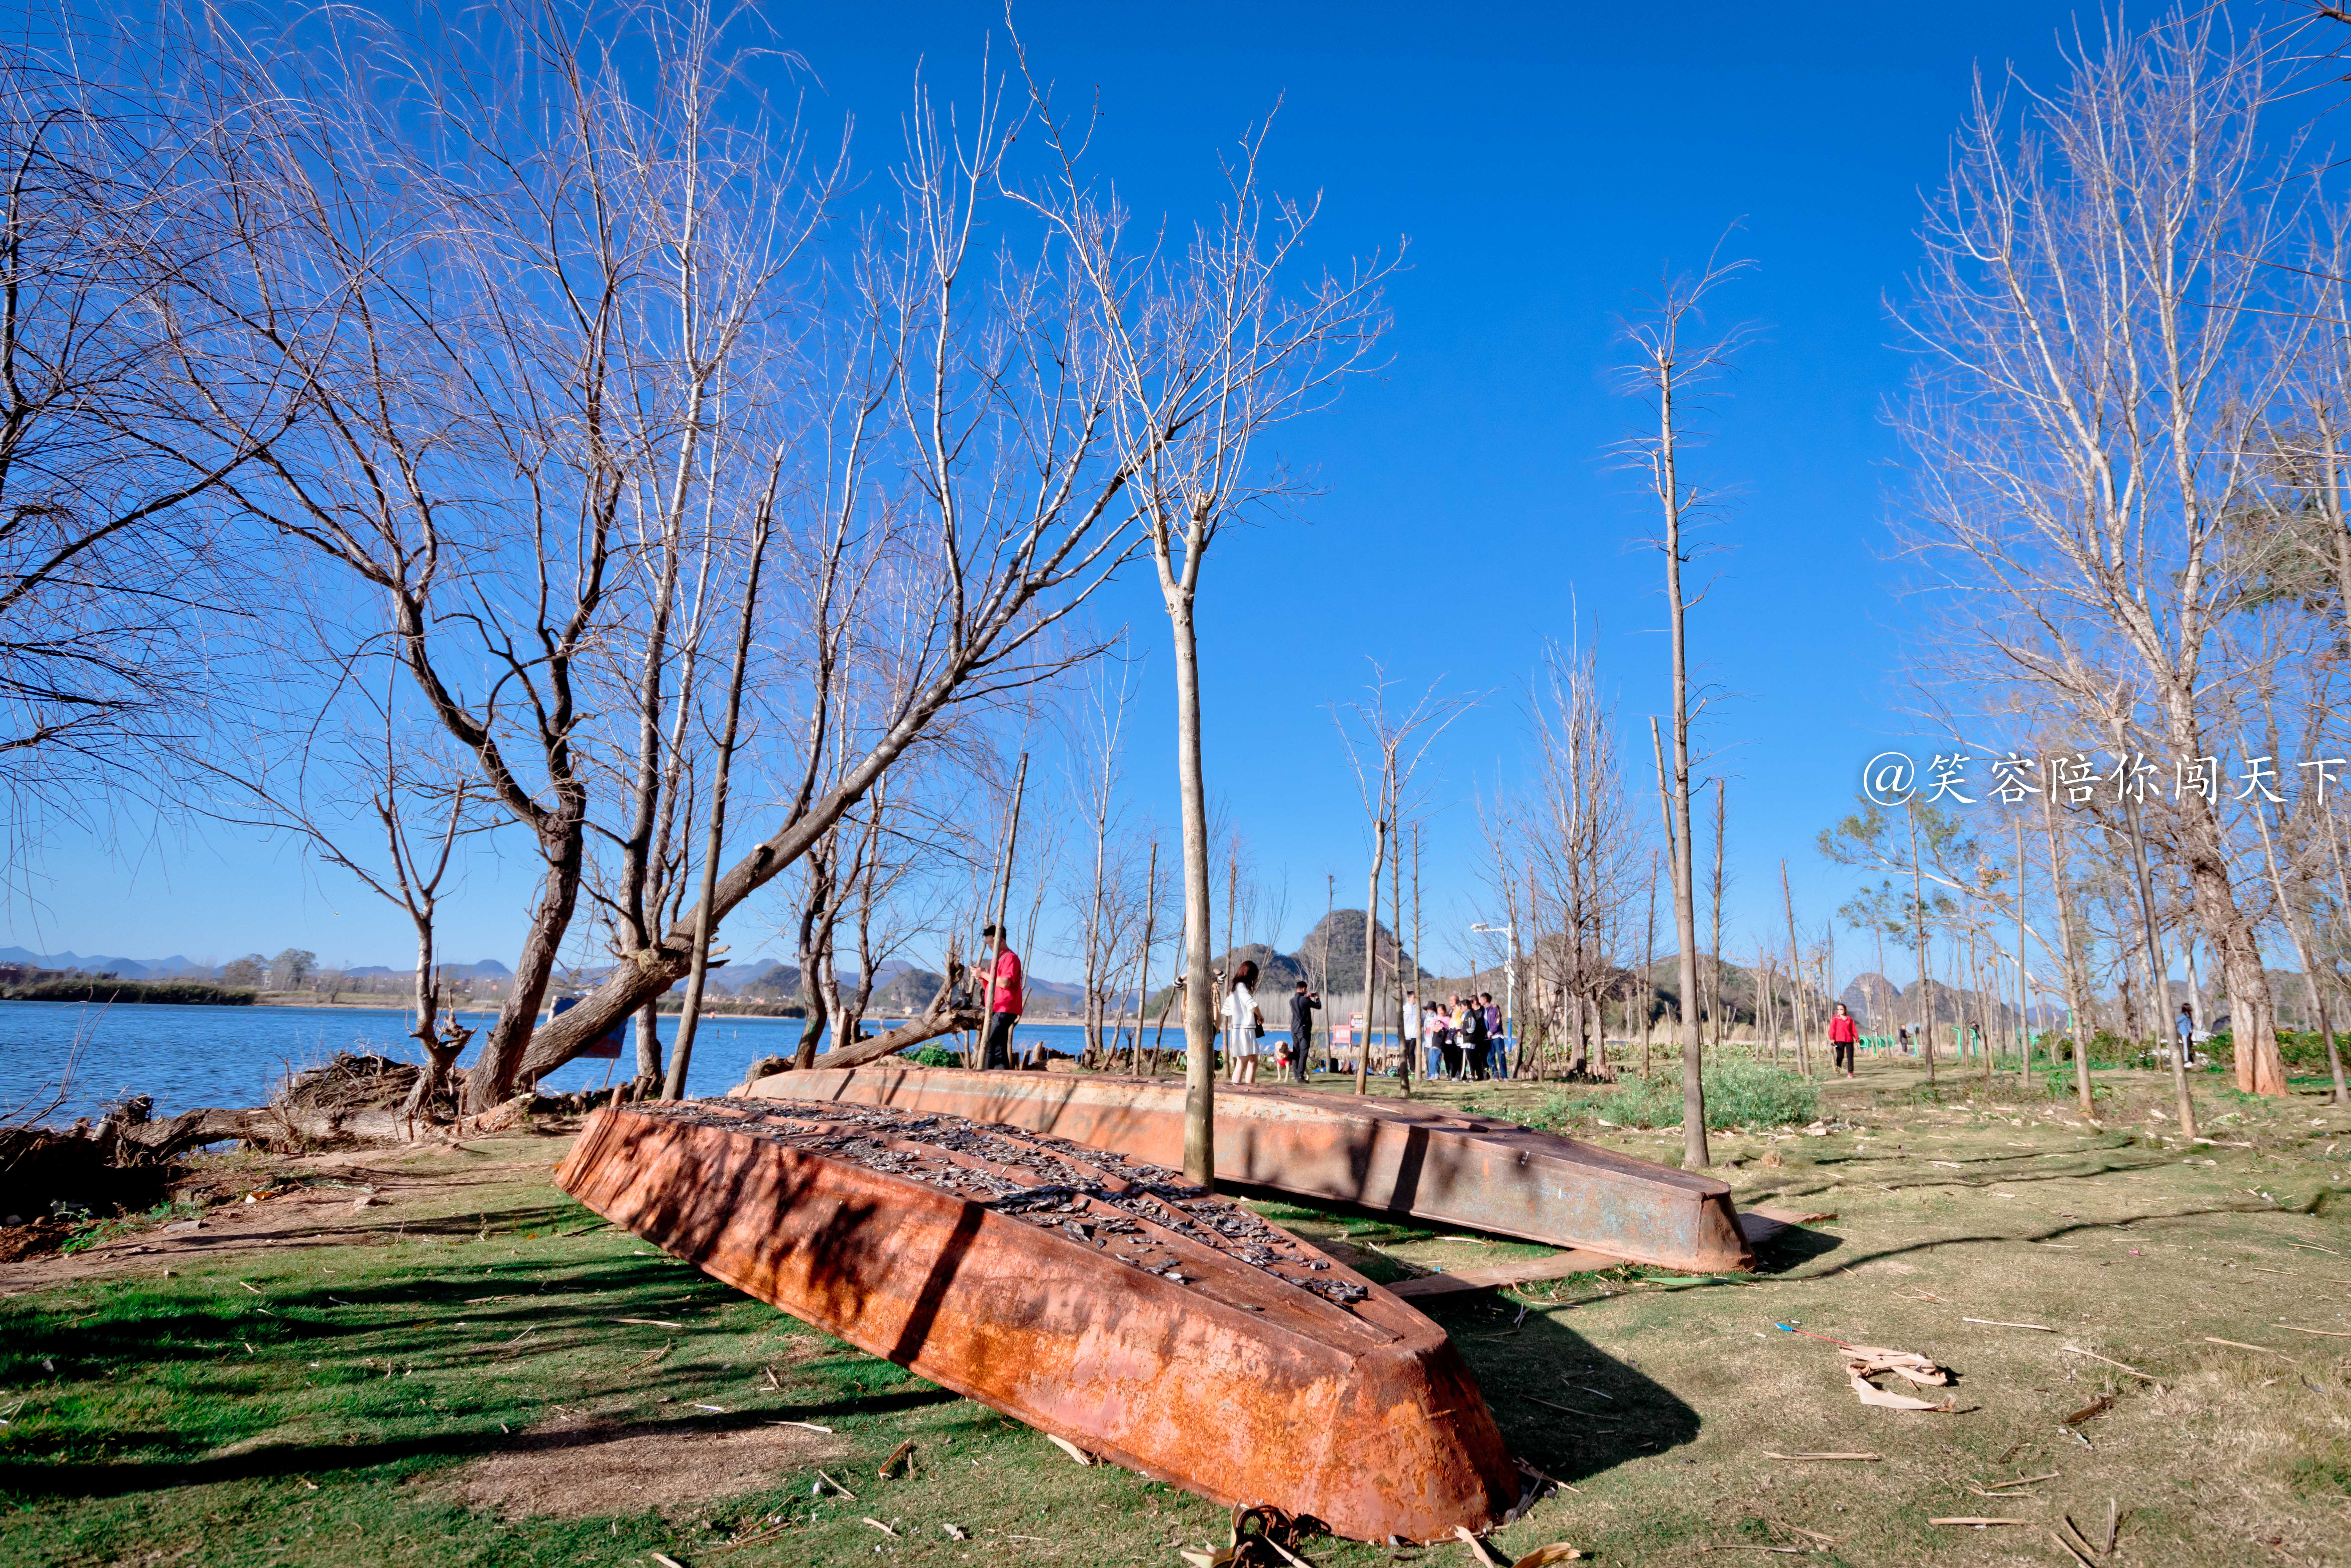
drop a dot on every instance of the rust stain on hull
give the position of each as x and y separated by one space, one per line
1252 1371
1478 1173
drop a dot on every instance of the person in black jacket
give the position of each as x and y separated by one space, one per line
1302 1004
1475 1038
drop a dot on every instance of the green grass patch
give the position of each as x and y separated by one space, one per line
103 1230
2322 1475
1739 1093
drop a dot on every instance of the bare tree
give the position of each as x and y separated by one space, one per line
328 795
1102 888
1206 348
2302 929
1795 973
1386 748
2095 365
539 275
1668 365
115 554
1574 837
1716 1007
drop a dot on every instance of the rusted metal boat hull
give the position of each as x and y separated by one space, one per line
1235 1386
1478 1173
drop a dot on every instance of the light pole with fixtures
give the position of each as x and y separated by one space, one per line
1510 980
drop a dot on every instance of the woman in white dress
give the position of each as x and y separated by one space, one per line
1242 1024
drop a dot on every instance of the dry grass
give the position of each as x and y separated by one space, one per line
1983 1204
576 1463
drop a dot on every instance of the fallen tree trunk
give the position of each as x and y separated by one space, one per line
905 1036
949 1012
271 1126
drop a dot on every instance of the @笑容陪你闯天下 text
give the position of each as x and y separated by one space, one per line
1959 777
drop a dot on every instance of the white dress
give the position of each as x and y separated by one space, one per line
1240 1021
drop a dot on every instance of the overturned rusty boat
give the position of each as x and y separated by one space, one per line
1476 1173
1093 1296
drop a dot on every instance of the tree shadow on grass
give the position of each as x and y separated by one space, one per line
1538 1380
1985 1239
414 1321
22 1481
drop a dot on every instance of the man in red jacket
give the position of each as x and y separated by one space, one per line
1003 1002
1843 1033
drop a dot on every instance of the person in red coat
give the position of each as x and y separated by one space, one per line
1004 1001
1843 1033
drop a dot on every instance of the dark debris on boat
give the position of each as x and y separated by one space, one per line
1092 1197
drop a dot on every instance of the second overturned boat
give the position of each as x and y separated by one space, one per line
1096 1298
1478 1173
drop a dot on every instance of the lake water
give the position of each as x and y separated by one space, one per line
190 1057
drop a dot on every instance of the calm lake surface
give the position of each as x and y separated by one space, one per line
188 1057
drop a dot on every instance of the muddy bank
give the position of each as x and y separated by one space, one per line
60 1182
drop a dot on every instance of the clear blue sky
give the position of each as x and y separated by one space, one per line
1546 165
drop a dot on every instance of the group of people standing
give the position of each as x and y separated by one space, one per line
1460 1037
1242 1025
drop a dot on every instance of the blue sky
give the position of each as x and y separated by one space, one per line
1546 165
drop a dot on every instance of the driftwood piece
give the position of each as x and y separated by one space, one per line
266 1124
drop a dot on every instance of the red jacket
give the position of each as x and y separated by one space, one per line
1843 1031
1006 998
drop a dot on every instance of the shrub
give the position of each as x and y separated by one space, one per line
2305 1050
179 993
1739 1093
933 1054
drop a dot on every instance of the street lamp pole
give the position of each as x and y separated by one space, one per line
1510 980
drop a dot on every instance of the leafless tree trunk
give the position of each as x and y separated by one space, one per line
2155 968
1387 749
1371 956
1667 368
1716 1007
1649 966
2299 926
2023 987
2069 957
1926 987
1401 982
1795 971
820 908
690 1012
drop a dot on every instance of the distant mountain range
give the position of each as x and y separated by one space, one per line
178 965
100 963
898 984
488 970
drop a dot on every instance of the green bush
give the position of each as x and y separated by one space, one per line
1739 1093
2306 1051
934 1054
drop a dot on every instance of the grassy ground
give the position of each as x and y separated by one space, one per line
443 1376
